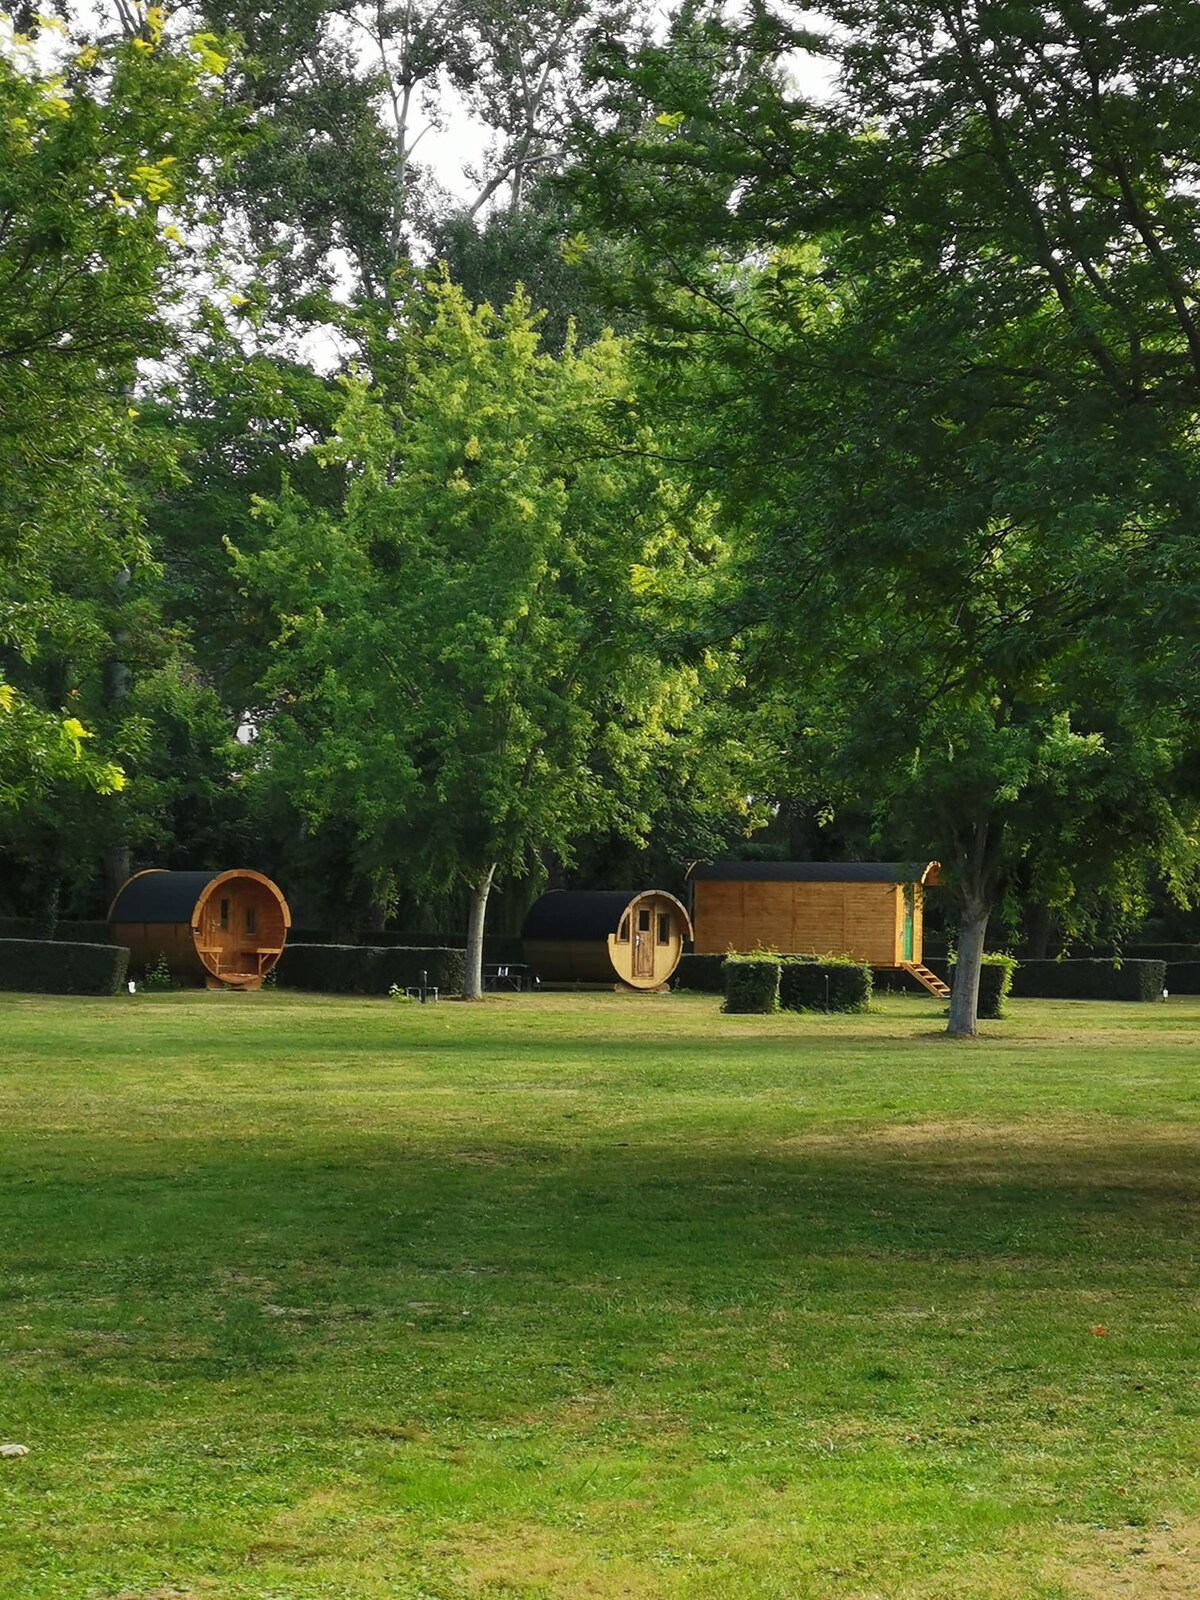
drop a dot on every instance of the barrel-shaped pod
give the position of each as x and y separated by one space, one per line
606 936
220 928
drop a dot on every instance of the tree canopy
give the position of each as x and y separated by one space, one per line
946 323
881 508
469 661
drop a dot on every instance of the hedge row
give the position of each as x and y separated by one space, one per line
1162 952
67 931
751 984
761 984
995 984
54 966
995 981
1090 980
1086 978
496 947
368 969
828 985
703 974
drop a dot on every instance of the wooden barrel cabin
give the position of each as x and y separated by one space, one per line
224 929
870 911
606 937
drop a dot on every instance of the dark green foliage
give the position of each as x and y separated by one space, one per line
995 984
751 983
45 966
1162 952
1183 977
704 974
829 985
490 258
368 969
1090 980
966 379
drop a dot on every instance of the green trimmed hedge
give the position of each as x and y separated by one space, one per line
751 984
368 969
704 974
68 931
496 947
54 966
1183 977
995 981
832 984
1090 980
995 984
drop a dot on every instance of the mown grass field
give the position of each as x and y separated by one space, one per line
597 1297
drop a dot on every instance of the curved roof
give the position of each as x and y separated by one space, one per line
818 871
585 913
157 896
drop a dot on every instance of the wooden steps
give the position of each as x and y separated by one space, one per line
927 980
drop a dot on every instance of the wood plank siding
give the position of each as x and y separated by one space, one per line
226 929
864 920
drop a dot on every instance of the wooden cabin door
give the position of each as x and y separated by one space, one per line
908 922
216 927
643 943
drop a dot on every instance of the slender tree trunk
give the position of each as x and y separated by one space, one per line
117 680
480 889
968 961
380 903
117 866
978 847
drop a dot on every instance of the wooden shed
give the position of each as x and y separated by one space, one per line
867 910
631 937
225 929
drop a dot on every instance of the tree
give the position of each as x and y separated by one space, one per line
350 100
938 339
102 155
467 664
39 750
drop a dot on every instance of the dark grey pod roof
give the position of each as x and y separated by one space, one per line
160 896
818 871
583 913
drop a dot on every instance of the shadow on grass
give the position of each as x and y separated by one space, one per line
358 1216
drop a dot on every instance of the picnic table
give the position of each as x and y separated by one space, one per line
513 975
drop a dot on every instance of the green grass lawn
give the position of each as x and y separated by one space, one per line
597 1296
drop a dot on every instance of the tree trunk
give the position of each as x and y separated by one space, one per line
117 681
379 905
964 1000
480 889
117 869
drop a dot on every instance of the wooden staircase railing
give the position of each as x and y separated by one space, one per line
927 980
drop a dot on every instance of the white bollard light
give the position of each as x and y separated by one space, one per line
132 987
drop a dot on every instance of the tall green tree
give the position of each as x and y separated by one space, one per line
938 338
352 102
105 154
468 664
